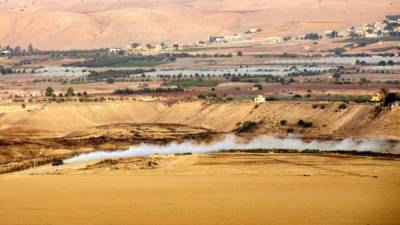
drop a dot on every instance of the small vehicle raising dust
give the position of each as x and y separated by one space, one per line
57 162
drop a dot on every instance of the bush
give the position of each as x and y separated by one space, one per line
308 124
247 125
283 122
290 130
70 92
110 80
201 96
382 63
312 36
304 124
297 96
342 106
49 92
258 86
235 79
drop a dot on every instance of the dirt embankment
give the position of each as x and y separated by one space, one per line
91 119
20 153
67 129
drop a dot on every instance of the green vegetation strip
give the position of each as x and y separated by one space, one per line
196 83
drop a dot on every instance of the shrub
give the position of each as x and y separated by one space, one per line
304 124
382 63
308 125
49 92
70 92
283 122
258 86
247 125
110 80
201 96
297 96
290 130
342 106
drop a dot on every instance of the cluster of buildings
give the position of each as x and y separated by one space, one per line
163 47
230 39
388 27
148 48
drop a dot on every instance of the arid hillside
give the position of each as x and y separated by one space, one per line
53 24
79 120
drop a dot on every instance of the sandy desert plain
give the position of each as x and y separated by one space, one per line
297 131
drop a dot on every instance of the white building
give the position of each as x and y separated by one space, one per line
5 52
259 99
114 50
253 30
371 35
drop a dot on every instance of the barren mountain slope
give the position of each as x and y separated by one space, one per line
53 24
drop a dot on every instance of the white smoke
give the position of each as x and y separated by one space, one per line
231 142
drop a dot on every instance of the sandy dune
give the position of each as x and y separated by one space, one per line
210 189
51 24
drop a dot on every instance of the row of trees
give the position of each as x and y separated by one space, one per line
129 91
69 93
380 63
117 60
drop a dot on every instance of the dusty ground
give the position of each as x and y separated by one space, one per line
218 189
